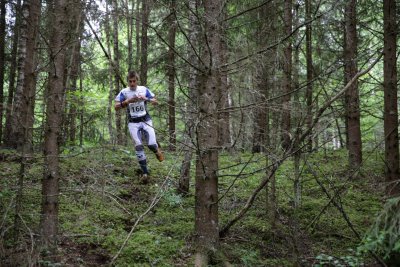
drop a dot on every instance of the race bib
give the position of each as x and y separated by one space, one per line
137 109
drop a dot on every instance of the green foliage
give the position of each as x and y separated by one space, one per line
384 236
250 258
344 261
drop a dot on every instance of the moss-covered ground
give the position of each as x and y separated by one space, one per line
102 201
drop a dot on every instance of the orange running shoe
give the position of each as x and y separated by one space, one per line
160 155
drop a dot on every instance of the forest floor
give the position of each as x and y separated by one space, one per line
106 215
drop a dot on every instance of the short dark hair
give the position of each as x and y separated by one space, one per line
132 74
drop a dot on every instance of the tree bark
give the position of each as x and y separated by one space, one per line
13 68
81 108
73 75
50 182
171 72
118 117
391 126
111 94
310 74
297 114
31 22
129 29
144 41
352 96
206 196
22 114
224 138
2 59
137 33
287 79
189 134
262 76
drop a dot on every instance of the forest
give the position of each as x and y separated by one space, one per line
275 121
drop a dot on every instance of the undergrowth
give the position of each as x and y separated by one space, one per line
102 200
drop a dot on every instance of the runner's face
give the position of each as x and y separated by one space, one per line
132 82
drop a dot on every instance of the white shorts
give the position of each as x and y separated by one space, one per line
135 127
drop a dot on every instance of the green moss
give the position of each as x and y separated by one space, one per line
101 199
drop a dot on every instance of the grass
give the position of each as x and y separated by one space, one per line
101 199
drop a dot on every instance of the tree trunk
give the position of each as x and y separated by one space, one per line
310 74
31 22
191 107
137 33
259 134
22 116
81 108
206 196
287 79
2 59
13 68
144 41
118 117
269 26
171 72
391 116
111 94
297 114
129 29
352 96
263 65
77 26
223 115
50 182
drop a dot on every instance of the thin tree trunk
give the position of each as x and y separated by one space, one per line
50 182
352 95
224 116
272 199
144 41
111 93
13 68
297 114
189 134
2 59
287 79
310 74
271 86
129 28
118 117
261 79
171 72
81 108
137 34
72 78
391 116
